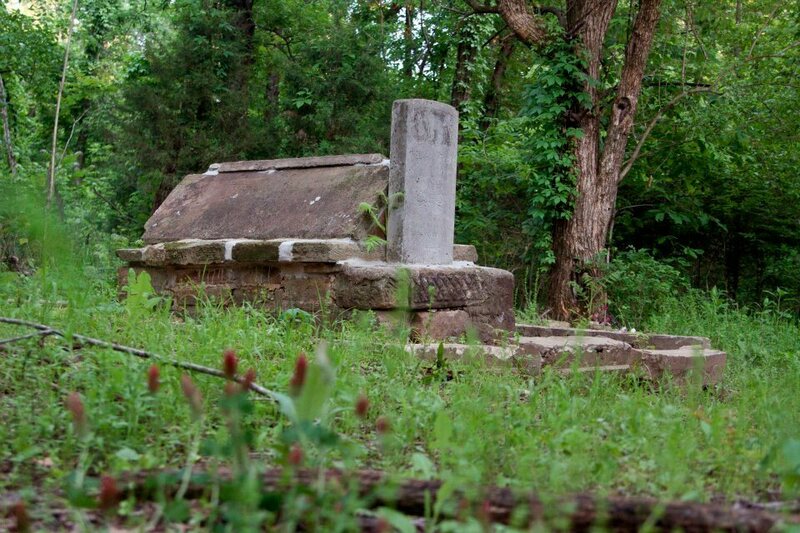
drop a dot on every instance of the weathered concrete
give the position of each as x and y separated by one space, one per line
422 182
485 294
504 356
365 285
638 340
439 324
300 162
587 351
202 252
320 202
682 363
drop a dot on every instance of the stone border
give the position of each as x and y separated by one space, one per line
588 354
190 252
639 340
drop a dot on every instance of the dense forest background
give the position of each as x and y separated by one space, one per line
156 90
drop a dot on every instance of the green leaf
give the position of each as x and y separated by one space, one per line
127 454
397 520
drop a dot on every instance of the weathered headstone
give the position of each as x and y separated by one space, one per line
422 182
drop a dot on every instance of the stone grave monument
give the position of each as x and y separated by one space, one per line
336 233
363 232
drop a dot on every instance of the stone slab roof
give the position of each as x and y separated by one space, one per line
304 198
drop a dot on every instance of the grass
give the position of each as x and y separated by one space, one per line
488 425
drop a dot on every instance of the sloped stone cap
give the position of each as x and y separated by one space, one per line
305 198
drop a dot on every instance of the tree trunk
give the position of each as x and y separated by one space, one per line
272 95
408 40
520 17
491 102
579 240
52 170
12 161
462 79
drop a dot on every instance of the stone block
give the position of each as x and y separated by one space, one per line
310 293
638 340
682 362
394 320
422 181
184 252
255 251
365 286
588 351
131 255
465 252
439 324
504 356
327 251
459 285
673 342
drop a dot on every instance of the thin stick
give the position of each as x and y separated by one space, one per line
42 333
263 391
51 178
12 161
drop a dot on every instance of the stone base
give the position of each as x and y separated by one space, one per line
443 301
652 356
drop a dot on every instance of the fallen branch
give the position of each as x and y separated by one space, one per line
44 329
412 497
42 333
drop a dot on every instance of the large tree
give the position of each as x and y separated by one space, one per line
605 123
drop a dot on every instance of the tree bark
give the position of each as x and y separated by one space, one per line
462 79
12 161
580 240
577 240
414 497
408 40
522 20
491 102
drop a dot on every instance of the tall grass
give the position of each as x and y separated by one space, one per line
486 425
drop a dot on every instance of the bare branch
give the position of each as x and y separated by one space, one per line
51 177
624 107
477 7
763 28
143 354
523 21
42 333
69 139
675 99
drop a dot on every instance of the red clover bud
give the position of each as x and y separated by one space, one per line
299 377
109 493
249 379
153 379
20 514
382 425
229 363
362 406
295 457
75 407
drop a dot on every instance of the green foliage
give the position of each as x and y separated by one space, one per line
140 297
636 283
